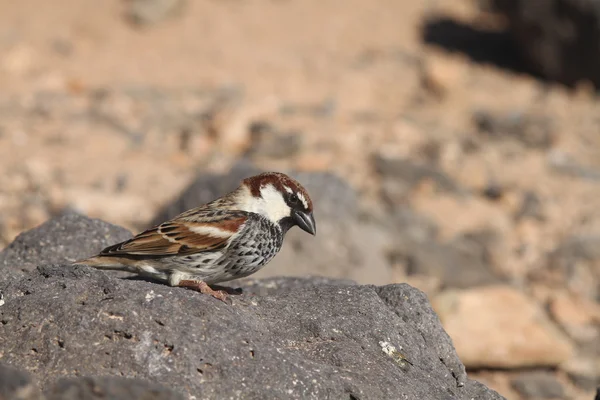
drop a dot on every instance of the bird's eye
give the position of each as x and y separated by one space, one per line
294 198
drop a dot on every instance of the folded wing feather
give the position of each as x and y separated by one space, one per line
181 237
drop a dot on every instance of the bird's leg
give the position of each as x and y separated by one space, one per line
202 287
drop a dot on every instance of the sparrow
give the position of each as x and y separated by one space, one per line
231 237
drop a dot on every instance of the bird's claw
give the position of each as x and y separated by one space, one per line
202 287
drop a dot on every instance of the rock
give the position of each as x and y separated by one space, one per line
534 132
498 380
460 263
530 207
558 39
114 388
347 245
493 191
68 237
577 316
319 109
267 141
17 385
453 222
499 327
282 338
575 264
566 164
294 342
584 370
539 385
230 125
149 12
398 297
410 173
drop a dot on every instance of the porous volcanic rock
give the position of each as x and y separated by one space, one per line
283 338
66 238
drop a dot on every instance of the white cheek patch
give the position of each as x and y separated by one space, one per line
274 206
270 204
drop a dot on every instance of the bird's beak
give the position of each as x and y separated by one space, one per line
306 222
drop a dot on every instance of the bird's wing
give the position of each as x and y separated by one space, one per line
183 236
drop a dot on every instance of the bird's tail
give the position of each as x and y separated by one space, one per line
106 263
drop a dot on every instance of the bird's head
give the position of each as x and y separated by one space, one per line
279 198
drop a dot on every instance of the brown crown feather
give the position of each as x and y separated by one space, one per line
279 180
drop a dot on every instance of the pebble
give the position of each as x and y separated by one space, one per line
539 385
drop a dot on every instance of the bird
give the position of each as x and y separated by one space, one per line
228 238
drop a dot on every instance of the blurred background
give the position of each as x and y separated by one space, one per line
450 144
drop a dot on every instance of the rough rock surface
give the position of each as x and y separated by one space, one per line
282 338
63 239
538 385
18 385
117 388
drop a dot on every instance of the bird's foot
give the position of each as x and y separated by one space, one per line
202 287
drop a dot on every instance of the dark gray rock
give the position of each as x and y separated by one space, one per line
283 338
586 380
302 340
531 208
17 385
66 238
267 141
463 262
409 173
584 247
273 285
576 256
559 39
347 245
149 12
113 388
538 385
532 131
413 308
